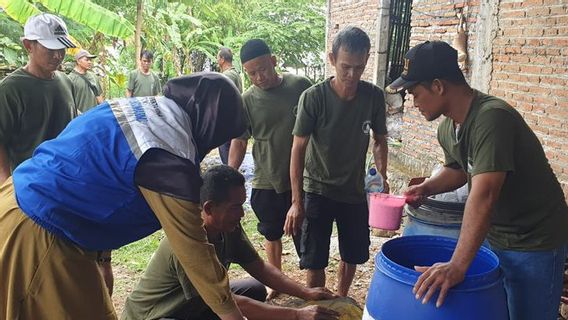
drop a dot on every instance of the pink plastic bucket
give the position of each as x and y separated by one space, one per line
385 211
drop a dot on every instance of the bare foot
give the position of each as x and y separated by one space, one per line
271 294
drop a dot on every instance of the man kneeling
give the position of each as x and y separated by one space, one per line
164 291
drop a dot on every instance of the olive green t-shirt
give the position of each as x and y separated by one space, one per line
165 291
271 115
86 88
339 138
530 213
234 75
33 110
144 85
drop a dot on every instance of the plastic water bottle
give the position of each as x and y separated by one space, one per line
374 181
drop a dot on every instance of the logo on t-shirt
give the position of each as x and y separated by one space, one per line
366 127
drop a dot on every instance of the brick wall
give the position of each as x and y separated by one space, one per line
432 20
529 67
530 71
359 13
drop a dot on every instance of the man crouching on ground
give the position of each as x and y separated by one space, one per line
165 291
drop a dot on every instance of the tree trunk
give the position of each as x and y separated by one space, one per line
138 32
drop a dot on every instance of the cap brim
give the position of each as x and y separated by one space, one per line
399 84
90 56
57 44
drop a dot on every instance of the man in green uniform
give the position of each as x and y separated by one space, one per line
87 87
143 82
270 105
165 290
36 101
331 138
225 62
515 199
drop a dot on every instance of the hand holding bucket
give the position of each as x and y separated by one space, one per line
385 210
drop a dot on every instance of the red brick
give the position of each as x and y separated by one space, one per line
559 42
538 12
530 69
512 32
531 3
521 87
533 32
550 32
546 70
520 59
560 10
534 42
544 101
521 106
539 90
540 59
554 81
558 133
513 14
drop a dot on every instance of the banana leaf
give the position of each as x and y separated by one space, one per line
91 15
84 12
19 10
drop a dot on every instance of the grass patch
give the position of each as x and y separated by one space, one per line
135 256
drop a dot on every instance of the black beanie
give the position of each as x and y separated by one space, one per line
254 48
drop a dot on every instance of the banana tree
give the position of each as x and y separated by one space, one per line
84 12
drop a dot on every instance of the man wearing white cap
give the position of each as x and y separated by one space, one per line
87 88
36 101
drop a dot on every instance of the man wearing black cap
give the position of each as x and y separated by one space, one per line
515 199
36 101
331 139
86 86
270 106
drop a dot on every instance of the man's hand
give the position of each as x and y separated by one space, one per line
441 276
294 219
319 293
415 195
316 313
386 186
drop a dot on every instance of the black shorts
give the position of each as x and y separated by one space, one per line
352 222
270 209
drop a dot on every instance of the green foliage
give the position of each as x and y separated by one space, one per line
85 12
11 51
184 35
19 10
91 15
136 255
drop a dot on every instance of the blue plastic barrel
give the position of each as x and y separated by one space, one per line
480 296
